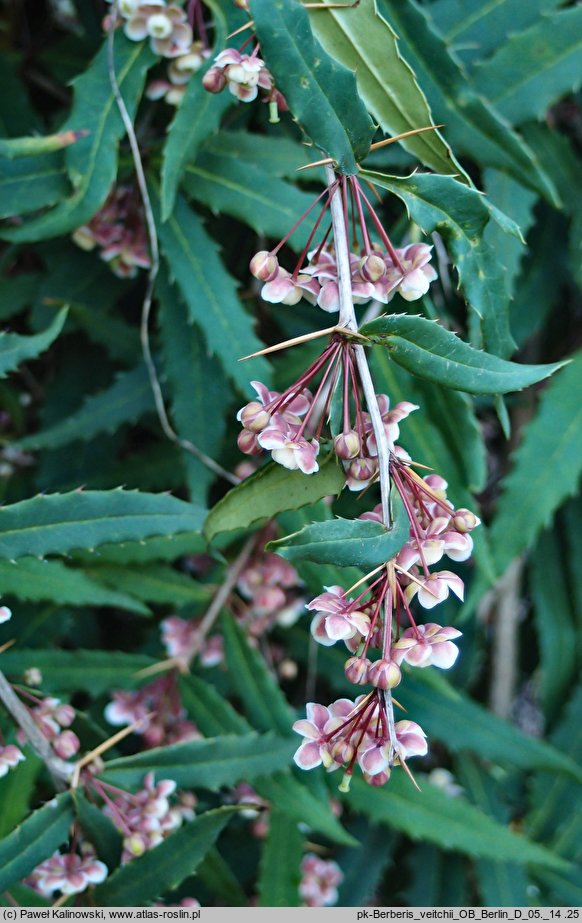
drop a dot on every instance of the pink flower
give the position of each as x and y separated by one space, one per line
411 738
435 588
314 749
336 619
427 644
244 74
10 756
319 881
417 274
69 874
289 449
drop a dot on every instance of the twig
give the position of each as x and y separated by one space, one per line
347 319
59 769
167 428
504 657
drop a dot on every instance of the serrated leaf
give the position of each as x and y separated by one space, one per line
31 183
209 709
217 875
265 704
34 580
433 701
346 542
546 467
269 491
364 866
164 867
210 293
426 349
127 400
274 155
199 392
15 349
17 791
534 68
362 40
157 548
452 823
267 204
472 124
156 583
207 764
58 523
321 93
279 872
197 117
92 161
81 670
460 215
294 798
35 839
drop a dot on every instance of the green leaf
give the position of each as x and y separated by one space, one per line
219 878
15 349
265 704
31 579
92 161
17 790
432 701
267 204
555 624
269 491
364 866
157 548
426 349
35 145
31 183
167 865
435 817
517 202
274 155
197 117
207 764
35 839
346 542
93 671
98 830
156 583
321 93
209 709
460 215
279 870
364 42
294 798
210 294
199 392
546 467
472 124
127 400
533 69
58 523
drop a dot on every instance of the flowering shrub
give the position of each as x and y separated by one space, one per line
298 630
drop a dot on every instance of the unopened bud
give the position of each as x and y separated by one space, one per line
384 674
135 844
214 80
288 669
356 670
254 417
247 443
33 677
362 469
66 745
342 751
372 267
264 266
347 445
465 521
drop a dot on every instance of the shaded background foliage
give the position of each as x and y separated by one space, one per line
89 588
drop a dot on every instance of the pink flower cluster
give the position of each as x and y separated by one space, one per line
69 873
169 33
10 756
148 817
158 709
274 423
118 230
179 72
319 881
242 74
52 716
376 275
348 731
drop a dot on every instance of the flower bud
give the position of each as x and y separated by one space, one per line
247 443
464 521
384 674
66 745
347 445
214 80
342 751
136 845
264 266
356 670
254 417
362 469
372 267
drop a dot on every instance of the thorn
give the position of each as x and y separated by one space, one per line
404 134
106 745
295 341
6 645
316 163
240 29
409 774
